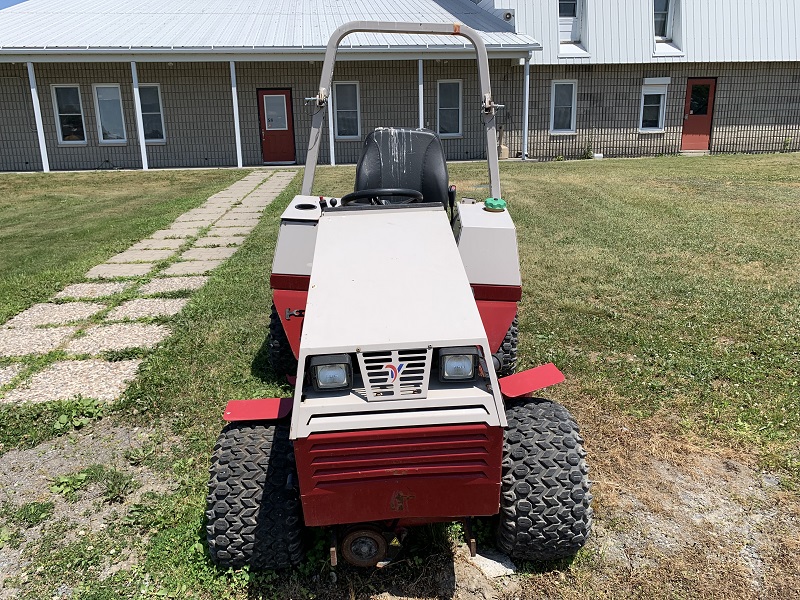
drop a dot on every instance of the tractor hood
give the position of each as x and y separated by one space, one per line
388 278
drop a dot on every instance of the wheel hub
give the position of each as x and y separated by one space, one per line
364 547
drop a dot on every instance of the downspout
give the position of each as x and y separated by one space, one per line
37 114
421 99
526 103
137 102
236 127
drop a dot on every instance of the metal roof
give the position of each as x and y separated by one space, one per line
237 26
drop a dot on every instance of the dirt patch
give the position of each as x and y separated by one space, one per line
26 476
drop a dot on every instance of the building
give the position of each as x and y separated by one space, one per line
223 83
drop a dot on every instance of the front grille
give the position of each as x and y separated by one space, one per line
395 374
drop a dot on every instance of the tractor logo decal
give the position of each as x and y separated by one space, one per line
394 372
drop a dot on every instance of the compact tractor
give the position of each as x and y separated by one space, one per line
395 318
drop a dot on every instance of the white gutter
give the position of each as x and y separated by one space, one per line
37 113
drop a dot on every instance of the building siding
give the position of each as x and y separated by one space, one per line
19 145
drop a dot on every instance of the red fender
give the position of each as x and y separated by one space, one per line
291 307
497 318
258 409
527 382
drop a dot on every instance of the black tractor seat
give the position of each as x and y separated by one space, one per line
403 159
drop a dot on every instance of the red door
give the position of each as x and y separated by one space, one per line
277 130
698 114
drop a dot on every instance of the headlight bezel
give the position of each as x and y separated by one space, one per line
324 360
468 351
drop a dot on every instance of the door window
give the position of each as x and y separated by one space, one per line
275 112
698 104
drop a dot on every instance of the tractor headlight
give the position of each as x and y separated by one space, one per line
331 372
458 364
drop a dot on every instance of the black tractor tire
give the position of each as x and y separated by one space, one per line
507 354
545 502
253 511
279 352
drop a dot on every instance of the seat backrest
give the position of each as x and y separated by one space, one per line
404 158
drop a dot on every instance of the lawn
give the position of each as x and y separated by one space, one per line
666 289
56 226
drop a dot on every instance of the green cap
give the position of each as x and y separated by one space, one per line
495 204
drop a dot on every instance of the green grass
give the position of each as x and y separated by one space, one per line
56 226
666 289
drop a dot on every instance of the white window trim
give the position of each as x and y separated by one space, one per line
162 140
575 23
336 112
656 86
573 129
61 141
460 133
670 14
121 142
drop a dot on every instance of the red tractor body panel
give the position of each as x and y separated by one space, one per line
422 474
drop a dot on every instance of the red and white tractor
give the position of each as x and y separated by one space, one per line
395 319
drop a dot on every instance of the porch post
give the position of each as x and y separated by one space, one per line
37 114
137 102
331 125
421 98
526 102
236 128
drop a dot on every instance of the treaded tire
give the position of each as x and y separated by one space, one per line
253 512
279 352
507 354
545 511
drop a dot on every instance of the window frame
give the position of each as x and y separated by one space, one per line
573 123
123 141
667 37
460 132
574 23
336 135
163 139
656 86
57 114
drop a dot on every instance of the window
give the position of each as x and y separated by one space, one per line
569 26
69 114
347 110
108 106
152 113
653 105
448 108
562 106
661 19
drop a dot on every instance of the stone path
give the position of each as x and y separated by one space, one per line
86 321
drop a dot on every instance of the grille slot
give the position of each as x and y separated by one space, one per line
395 374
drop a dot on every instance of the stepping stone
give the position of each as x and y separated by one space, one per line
91 290
219 241
185 228
234 222
161 285
192 267
208 253
54 314
493 564
21 342
195 221
118 336
163 234
164 244
107 271
135 256
8 373
147 307
98 379
228 231
243 213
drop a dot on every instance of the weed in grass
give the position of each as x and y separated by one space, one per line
116 485
78 413
9 537
27 515
68 485
126 354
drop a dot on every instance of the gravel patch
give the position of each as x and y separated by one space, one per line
147 307
21 342
219 241
192 267
173 284
118 337
91 290
208 253
107 271
8 373
54 314
152 244
135 256
98 379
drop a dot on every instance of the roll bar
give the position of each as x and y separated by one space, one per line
488 107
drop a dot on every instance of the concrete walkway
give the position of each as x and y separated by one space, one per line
79 321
